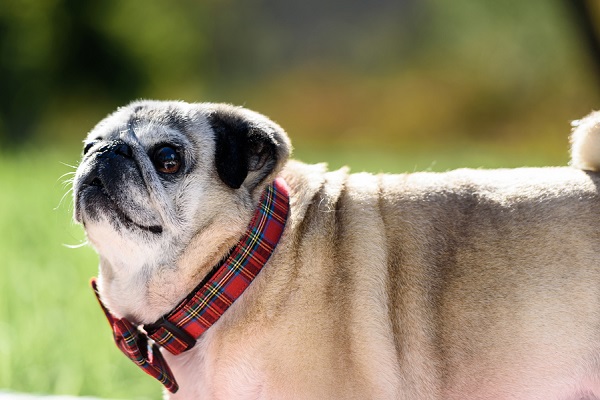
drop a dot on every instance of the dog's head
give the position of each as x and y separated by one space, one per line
154 175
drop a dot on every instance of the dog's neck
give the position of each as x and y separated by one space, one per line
141 284
143 289
179 330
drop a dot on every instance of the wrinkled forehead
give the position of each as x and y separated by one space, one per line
149 124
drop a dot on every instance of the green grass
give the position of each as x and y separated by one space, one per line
53 336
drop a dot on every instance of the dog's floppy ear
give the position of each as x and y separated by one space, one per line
249 146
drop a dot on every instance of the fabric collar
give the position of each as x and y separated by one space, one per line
178 330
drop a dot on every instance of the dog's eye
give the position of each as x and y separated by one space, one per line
166 160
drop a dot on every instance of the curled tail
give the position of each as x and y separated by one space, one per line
585 142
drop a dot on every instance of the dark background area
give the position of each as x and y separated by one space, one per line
408 73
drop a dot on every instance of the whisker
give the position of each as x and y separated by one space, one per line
67 174
68 182
76 246
62 177
70 190
68 165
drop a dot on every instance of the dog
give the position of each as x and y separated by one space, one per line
266 278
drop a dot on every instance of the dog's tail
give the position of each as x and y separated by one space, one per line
585 142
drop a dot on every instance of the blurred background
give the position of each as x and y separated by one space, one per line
381 86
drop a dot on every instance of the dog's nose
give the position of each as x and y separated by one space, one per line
115 147
112 153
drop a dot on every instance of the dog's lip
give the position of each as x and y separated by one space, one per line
97 185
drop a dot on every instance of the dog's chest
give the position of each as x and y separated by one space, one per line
211 371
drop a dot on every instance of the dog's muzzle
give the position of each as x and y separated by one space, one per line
112 185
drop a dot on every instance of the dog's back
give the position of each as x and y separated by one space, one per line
461 285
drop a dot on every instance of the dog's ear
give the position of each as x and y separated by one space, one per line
249 146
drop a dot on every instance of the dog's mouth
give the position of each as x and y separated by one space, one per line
98 195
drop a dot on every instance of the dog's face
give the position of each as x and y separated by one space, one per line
154 175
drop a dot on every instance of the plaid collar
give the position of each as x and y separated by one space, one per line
178 330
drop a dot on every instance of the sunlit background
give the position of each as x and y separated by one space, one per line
380 85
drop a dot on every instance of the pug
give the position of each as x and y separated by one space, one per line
228 271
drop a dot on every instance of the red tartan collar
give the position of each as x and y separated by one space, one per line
178 330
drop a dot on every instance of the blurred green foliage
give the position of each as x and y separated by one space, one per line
401 72
383 85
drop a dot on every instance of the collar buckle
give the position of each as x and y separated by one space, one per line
170 336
